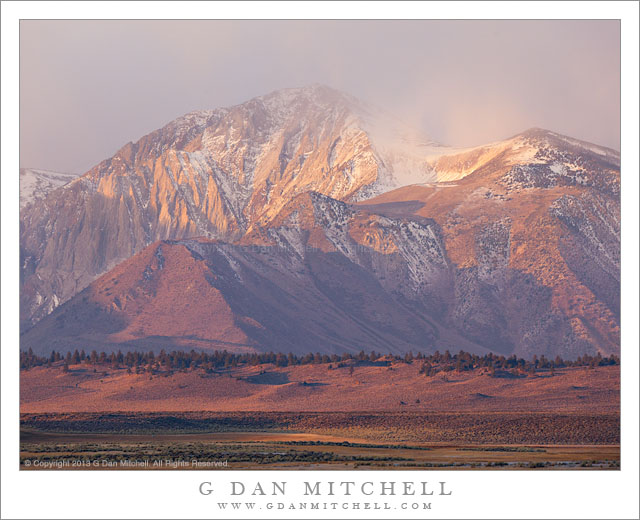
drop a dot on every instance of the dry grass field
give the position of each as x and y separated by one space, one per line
115 452
312 417
399 387
290 450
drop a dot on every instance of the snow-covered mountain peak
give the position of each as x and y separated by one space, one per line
379 124
290 167
402 152
316 94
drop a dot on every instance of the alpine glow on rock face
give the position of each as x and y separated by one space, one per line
306 220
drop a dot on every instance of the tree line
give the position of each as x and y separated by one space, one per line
429 364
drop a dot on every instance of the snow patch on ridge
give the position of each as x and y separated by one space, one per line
35 184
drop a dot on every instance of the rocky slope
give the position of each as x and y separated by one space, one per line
500 261
313 280
212 174
536 245
306 221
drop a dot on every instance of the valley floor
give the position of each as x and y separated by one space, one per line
315 388
312 417
275 440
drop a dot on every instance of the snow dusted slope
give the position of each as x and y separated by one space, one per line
221 173
321 285
534 233
209 173
535 148
404 155
487 263
36 184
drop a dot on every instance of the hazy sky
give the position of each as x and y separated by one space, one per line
89 87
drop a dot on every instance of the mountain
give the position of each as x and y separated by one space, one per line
307 283
515 258
305 220
212 174
36 184
536 245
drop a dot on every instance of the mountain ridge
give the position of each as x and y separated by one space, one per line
316 188
305 279
208 173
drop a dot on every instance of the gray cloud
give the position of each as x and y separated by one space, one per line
88 87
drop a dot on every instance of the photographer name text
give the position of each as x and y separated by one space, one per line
329 488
